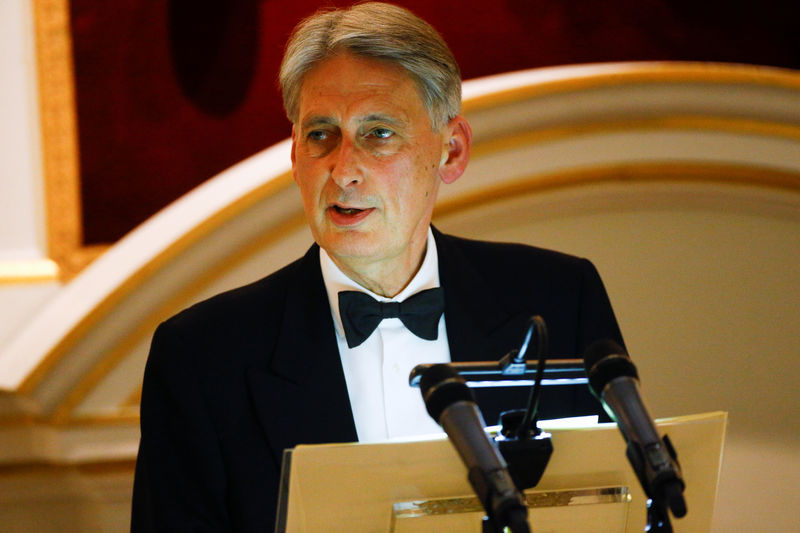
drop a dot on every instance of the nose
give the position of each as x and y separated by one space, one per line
345 169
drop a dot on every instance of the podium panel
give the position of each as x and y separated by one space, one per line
378 487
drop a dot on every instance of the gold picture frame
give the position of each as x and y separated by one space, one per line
59 131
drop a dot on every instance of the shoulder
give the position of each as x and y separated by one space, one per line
514 258
248 314
564 289
522 277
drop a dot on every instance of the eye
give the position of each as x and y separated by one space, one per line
317 135
381 133
320 141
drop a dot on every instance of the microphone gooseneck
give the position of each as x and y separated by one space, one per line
450 402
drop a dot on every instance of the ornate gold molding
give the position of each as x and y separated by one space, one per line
642 73
722 174
266 190
60 138
35 271
64 412
690 123
62 178
88 468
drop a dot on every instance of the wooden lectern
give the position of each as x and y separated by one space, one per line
421 485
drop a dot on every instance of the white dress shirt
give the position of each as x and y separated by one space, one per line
376 372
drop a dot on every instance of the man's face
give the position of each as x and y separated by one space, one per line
367 162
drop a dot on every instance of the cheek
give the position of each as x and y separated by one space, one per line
309 192
425 173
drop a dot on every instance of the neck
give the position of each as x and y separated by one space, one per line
387 277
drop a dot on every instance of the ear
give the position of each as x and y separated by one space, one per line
455 154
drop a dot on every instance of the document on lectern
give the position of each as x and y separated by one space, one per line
421 485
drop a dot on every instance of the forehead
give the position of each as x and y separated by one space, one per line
347 84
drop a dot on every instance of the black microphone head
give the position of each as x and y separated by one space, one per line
605 360
442 386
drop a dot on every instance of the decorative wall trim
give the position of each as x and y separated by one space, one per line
60 138
691 123
632 174
63 414
90 319
59 122
88 468
582 77
35 271
62 182
722 174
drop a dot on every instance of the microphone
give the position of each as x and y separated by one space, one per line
450 402
614 380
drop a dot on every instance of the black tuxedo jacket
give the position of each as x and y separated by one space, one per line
233 381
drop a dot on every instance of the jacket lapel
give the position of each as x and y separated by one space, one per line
300 396
480 326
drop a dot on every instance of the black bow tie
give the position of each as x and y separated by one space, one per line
361 314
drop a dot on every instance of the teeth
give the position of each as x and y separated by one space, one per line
348 211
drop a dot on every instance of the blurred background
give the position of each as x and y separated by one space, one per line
142 168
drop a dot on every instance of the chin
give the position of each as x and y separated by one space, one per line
351 244
353 252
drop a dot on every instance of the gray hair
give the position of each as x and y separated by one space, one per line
380 31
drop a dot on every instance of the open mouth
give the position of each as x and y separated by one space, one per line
348 216
347 210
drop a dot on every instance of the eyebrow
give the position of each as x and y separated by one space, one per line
378 117
317 120
321 120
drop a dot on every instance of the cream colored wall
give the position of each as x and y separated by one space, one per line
706 293
22 226
21 206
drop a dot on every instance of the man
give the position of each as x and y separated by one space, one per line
373 94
